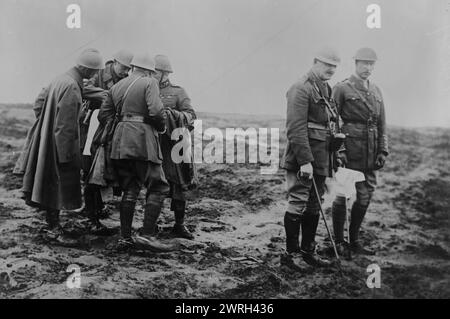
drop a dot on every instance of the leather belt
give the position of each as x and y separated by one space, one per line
318 126
369 122
134 118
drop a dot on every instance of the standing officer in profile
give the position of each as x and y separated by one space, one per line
50 162
311 117
361 108
94 93
181 176
135 147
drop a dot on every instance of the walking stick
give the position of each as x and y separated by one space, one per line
324 220
347 213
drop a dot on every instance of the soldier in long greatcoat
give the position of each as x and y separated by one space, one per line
50 161
182 177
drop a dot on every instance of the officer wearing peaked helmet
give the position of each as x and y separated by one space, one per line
311 120
361 108
180 114
94 93
50 162
136 150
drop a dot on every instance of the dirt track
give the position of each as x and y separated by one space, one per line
237 215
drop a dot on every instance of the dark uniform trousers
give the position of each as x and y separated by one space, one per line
309 138
302 199
135 174
365 189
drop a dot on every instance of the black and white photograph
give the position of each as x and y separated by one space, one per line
225 155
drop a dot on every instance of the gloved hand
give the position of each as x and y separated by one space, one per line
380 161
342 159
175 114
306 170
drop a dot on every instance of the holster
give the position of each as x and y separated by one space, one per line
336 142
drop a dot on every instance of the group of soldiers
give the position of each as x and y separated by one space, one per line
136 93
139 105
316 115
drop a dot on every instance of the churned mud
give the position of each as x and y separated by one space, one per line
236 215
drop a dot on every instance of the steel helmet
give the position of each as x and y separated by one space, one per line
144 61
124 57
163 64
90 58
366 54
328 55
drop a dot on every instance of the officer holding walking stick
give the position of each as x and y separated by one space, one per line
311 128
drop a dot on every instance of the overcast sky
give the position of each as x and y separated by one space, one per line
239 56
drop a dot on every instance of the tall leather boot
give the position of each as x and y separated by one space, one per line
293 258
339 213
146 240
95 227
151 215
292 229
52 218
102 211
126 218
179 229
357 217
55 231
126 243
310 222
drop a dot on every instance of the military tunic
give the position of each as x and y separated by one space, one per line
181 176
135 145
308 141
362 111
364 125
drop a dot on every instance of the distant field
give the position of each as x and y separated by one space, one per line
237 217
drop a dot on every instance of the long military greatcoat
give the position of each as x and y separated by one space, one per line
50 161
180 114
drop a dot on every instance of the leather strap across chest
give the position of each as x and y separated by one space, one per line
366 103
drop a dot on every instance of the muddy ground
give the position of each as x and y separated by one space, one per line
236 215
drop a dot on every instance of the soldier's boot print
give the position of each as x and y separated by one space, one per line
308 245
125 244
179 229
357 217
